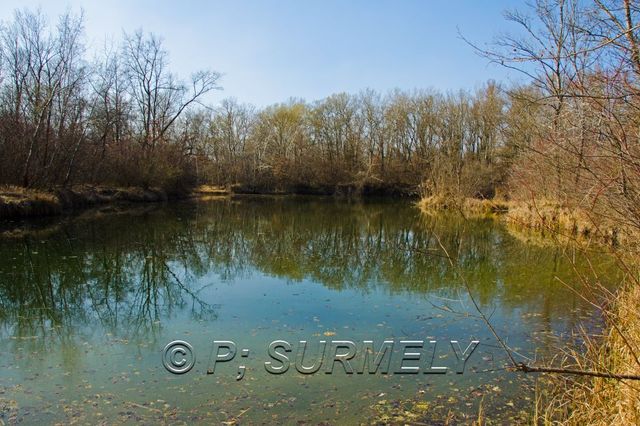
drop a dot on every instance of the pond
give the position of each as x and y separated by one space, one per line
89 302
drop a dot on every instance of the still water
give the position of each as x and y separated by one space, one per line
87 304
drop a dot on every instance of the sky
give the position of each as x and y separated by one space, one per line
272 50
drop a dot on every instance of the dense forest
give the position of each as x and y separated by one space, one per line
123 118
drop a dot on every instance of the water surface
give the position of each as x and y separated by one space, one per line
87 304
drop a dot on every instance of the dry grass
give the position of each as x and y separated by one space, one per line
599 401
555 220
535 222
21 202
579 400
466 206
211 190
16 202
11 194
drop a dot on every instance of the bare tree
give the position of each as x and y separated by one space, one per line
158 97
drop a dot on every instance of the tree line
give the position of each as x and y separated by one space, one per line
366 141
65 119
123 118
578 135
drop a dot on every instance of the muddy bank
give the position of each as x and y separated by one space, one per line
16 202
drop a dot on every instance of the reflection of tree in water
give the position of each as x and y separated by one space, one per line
389 246
126 278
129 272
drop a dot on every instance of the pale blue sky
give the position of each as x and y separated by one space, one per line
270 51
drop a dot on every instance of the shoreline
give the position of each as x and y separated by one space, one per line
23 203
567 399
535 220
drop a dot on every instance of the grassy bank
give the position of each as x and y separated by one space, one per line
22 202
581 400
465 206
578 400
533 220
562 222
17 202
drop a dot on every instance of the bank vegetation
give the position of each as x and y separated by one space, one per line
576 175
